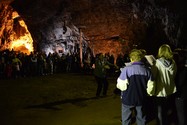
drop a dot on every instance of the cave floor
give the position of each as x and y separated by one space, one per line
59 99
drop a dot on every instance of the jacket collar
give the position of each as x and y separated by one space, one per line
137 63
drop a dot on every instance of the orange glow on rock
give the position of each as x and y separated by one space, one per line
19 38
23 44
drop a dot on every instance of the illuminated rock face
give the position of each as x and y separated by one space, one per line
14 33
113 26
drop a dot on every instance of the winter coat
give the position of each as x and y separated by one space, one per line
135 82
164 72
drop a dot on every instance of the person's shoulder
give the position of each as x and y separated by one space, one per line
128 64
124 68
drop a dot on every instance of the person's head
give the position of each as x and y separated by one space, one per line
100 56
136 55
165 52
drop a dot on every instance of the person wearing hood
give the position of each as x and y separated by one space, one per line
164 71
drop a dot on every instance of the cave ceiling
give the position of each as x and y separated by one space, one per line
144 23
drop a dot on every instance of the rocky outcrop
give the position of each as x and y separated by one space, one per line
108 25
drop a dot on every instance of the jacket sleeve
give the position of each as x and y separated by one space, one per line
151 87
151 84
122 84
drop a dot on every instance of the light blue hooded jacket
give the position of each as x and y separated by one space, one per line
164 72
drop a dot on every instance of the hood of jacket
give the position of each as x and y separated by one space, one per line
165 77
168 64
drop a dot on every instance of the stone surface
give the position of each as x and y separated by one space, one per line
142 23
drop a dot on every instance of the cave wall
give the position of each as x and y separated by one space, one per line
131 23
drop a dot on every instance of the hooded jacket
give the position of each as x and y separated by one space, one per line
164 72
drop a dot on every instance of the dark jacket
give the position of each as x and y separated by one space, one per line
100 68
137 78
181 82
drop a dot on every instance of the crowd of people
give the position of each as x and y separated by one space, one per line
15 64
159 87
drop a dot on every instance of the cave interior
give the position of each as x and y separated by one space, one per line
103 26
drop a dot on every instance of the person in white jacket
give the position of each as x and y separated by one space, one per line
164 71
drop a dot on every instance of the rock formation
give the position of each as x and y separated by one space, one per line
113 26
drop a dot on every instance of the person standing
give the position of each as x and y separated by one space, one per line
136 83
181 84
100 73
16 64
164 71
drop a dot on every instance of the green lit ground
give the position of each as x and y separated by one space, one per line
60 99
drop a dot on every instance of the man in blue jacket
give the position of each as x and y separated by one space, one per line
135 83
